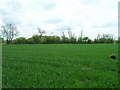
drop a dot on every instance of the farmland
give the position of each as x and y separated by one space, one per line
59 66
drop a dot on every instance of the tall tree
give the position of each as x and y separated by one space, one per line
81 34
64 38
85 39
72 38
36 39
80 38
9 31
41 32
104 38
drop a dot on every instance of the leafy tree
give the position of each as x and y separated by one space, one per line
56 39
64 38
85 39
20 40
95 40
105 38
30 41
1 39
36 39
72 38
118 41
89 41
80 40
41 32
49 39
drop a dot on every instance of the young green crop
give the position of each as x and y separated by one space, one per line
59 66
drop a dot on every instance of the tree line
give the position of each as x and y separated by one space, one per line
9 33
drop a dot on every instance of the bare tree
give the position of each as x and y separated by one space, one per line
63 35
64 38
9 32
72 37
51 33
98 36
81 34
41 32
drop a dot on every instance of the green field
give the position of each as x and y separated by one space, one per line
59 66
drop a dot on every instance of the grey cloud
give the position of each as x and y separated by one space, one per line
10 20
3 12
64 28
53 21
46 5
14 5
107 25
9 9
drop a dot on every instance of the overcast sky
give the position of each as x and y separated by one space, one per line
54 16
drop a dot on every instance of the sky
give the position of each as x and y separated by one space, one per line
55 16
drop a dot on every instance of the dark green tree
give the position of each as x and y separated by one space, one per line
20 40
85 39
64 38
36 39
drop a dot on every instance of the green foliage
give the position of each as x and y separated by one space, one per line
72 38
65 40
1 40
36 39
80 40
57 39
85 39
50 39
105 38
20 40
30 41
9 32
59 66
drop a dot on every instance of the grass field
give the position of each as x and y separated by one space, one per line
59 66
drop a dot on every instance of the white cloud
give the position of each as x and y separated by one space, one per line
92 17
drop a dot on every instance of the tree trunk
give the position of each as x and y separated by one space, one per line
8 42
